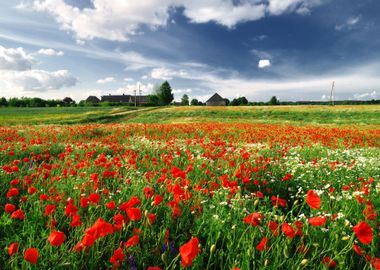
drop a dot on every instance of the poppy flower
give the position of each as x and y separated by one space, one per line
50 209
12 192
56 238
9 208
313 200
253 219
133 241
117 257
94 198
358 250
76 221
12 249
31 255
18 214
288 230
154 268
134 213
189 251
276 201
273 226
263 244
363 232
157 200
111 205
318 221
330 263
152 218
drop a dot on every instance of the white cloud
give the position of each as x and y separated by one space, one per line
15 59
167 74
264 63
106 80
348 24
50 52
17 75
118 20
128 79
35 80
370 95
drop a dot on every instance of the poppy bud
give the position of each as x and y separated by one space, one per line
345 238
304 262
212 249
256 203
295 203
266 262
163 257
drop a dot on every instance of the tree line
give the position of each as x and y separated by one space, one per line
163 96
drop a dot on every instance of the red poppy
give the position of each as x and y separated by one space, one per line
12 192
152 218
134 213
358 250
276 201
313 200
263 244
154 268
273 226
31 255
9 208
330 263
253 219
56 238
94 198
189 251
50 209
157 200
288 230
12 249
76 221
318 221
18 214
111 205
133 241
117 257
363 232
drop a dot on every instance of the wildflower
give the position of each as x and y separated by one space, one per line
363 232
318 221
189 251
9 208
13 249
133 241
31 255
253 219
313 200
56 238
263 244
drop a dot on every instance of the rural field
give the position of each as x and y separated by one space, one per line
276 187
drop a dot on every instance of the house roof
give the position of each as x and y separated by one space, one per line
215 98
93 99
116 98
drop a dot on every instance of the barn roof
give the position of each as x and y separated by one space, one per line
93 99
116 98
215 98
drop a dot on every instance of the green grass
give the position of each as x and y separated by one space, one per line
337 115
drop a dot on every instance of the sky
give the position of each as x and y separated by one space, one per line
292 49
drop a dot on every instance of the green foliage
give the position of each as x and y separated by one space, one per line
274 101
185 100
165 95
239 101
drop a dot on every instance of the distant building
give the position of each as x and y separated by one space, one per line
125 99
93 99
216 100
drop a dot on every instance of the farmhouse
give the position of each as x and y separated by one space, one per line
93 99
125 99
216 100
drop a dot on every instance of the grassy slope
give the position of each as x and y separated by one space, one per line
342 115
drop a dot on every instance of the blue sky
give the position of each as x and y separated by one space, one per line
293 49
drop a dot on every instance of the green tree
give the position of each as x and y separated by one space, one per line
274 101
165 94
3 102
194 102
185 100
153 100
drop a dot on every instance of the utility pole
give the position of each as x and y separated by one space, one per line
135 96
139 95
331 94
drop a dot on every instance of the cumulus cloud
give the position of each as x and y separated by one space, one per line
118 20
106 80
15 59
50 52
36 80
264 63
17 75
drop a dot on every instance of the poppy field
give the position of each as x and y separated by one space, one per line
205 195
